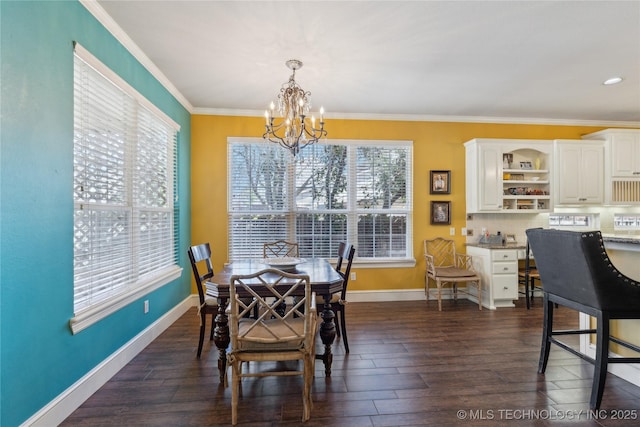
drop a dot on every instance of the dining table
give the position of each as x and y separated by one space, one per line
324 280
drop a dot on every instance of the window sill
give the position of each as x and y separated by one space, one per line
94 314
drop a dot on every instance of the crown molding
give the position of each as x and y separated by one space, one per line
433 118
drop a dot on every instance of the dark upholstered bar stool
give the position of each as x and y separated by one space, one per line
577 273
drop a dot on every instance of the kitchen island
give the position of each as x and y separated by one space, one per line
624 253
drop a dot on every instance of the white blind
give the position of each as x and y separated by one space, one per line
124 188
353 191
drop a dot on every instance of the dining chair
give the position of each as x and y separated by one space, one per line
280 249
339 300
447 267
528 275
272 336
201 255
577 273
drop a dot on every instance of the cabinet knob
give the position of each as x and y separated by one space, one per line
636 173
582 199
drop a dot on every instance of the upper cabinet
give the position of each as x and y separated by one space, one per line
622 164
579 172
508 175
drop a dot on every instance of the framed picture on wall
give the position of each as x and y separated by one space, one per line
440 182
440 213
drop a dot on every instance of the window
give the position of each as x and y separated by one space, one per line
124 182
356 191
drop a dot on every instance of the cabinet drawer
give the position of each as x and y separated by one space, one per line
505 286
504 268
504 255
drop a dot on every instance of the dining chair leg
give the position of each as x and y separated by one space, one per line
547 329
203 326
343 327
439 285
601 360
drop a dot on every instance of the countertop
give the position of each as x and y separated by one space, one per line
515 245
632 239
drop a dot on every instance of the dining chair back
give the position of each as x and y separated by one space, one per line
200 258
528 275
280 249
577 273
272 335
447 267
338 301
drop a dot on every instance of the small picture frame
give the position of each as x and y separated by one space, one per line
440 182
526 165
440 213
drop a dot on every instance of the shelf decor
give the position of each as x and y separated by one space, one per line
440 182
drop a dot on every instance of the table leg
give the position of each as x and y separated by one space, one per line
327 334
221 338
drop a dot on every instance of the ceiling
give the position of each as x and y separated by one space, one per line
504 61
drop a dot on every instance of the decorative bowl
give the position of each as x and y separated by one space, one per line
285 263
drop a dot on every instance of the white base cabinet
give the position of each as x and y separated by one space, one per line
498 269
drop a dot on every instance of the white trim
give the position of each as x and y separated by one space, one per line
386 295
432 118
110 25
96 313
56 411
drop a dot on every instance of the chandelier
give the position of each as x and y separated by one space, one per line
295 130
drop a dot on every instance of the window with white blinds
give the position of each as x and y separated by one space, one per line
355 191
124 192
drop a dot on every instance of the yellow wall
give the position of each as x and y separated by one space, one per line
437 146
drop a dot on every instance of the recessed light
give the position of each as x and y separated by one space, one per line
612 81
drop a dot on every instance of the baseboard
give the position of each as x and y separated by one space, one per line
62 406
386 295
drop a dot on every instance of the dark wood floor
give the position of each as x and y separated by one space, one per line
409 365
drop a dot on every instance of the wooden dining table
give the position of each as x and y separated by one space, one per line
324 280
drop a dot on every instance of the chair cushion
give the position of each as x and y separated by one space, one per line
453 272
259 338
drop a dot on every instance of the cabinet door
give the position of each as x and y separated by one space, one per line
568 176
580 173
625 155
490 177
592 176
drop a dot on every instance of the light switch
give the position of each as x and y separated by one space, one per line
452 231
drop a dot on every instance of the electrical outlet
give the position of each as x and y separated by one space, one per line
463 231
469 217
353 276
469 231
146 306
452 231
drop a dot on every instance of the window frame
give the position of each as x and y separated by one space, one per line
135 286
351 211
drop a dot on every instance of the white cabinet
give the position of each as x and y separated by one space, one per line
483 176
508 175
622 165
579 174
623 148
498 269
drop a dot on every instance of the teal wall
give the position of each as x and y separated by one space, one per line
39 357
